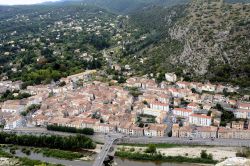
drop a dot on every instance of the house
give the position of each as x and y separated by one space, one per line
177 102
163 98
242 113
238 125
185 132
192 98
220 88
182 112
207 106
175 93
136 131
200 120
155 130
171 77
15 122
124 128
133 82
156 105
185 92
85 76
148 84
216 121
175 130
13 106
34 100
232 102
34 90
182 84
205 132
104 128
193 106
219 98
40 120
209 87
242 105
228 133
153 112
60 121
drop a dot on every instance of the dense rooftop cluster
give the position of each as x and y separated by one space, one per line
138 107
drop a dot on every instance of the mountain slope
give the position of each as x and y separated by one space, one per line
41 43
216 41
127 6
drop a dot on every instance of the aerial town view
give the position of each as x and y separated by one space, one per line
125 82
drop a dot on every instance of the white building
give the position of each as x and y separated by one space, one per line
15 122
12 106
182 112
200 120
244 106
171 77
209 87
242 113
153 112
159 106
104 128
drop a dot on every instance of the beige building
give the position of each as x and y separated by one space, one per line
228 133
175 130
155 130
206 132
238 125
185 132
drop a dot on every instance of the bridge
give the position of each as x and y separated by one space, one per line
105 149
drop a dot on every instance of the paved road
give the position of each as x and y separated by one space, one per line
104 152
169 121
186 141
106 147
144 140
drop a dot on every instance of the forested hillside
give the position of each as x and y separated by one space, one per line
201 40
127 6
43 43
205 40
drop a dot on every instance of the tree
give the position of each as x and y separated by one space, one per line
23 113
170 134
209 113
145 102
151 149
193 90
141 125
87 131
204 154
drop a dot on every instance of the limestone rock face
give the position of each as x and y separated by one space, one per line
213 33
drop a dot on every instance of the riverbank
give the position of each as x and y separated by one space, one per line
218 153
7 159
163 158
30 156
56 153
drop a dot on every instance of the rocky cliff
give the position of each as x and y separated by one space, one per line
215 36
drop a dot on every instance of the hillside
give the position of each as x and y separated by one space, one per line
43 43
127 6
202 40
205 40
216 41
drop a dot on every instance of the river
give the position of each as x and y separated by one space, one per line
117 161
125 162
